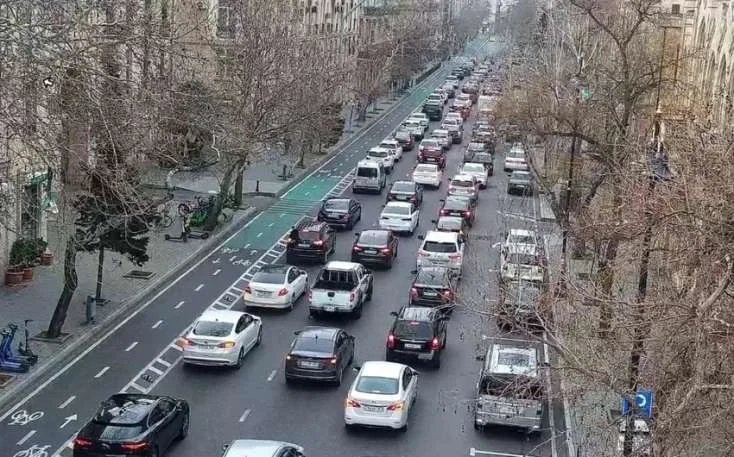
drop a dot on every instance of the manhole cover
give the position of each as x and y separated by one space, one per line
139 274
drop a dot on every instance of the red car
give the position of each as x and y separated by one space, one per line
433 155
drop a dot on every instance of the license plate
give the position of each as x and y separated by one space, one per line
262 294
303 245
431 159
412 346
430 294
370 251
373 409
329 309
425 356
335 215
306 364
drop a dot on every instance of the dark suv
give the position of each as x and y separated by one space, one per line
406 191
375 246
520 307
459 207
133 424
312 241
340 212
435 287
433 155
319 354
417 333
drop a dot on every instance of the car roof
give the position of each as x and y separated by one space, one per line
368 163
326 333
399 204
374 232
341 265
256 448
337 199
221 315
417 313
125 408
461 198
521 232
529 249
441 131
456 219
382 369
378 149
428 165
441 237
529 369
389 141
403 181
311 227
476 164
519 172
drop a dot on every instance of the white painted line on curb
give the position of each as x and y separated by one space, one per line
155 370
237 289
132 345
244 415
67 401
26 437
199 287
157 324
272 375
474 452
101 372
216 272
162 362
271 224
179 304
176 347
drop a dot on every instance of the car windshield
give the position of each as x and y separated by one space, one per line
313 344
451 122
419 330
483 157
336 205
377 385
373 238
429 144
413 125
520 176
440 134
461 183
476 147
398 210
107 432
310 235
402 135
516 154
426 169
450 223
436 246
367 172
212 328
406 187
377 154
523 259
264 277
389 145
473 168
517 238
456 203
431 277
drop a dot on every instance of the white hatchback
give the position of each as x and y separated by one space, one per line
382 395
276 286
428 175
394 147
478 170
442 249
221 338
400 217
515 159
383 156
443 136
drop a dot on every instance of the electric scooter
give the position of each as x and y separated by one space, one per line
25 349
9 365
6 349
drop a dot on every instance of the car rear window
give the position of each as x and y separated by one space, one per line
413 329
516 154
461 183
377 385
339 205
431 278
430 144
435 246
403 135
373 238
449 224
523 259
268 278
474 168
403 187
377 154
107 432
426 168
312 344
212 328
310 236
476 147
399 210
456 204
367 172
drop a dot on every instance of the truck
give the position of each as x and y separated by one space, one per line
341 288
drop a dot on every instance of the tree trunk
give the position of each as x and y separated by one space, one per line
100 274
70 284
238 184
224 186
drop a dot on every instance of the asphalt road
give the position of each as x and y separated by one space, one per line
254 402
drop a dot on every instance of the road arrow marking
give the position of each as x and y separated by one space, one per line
68 419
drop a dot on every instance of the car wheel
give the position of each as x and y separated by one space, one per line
360 215
404 428
389 357
388 263
478 427
350 224
259 336
288 259
154 452
240 358
325 257
357 313
291 303
184 432
369 293
436 362
313 313
339 376
348 427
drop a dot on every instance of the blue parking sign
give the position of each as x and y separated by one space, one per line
644 400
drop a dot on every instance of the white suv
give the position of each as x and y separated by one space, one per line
383 156
394 147
515 159
420 117
442 249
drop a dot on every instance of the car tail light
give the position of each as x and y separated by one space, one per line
413 292
357 249
397 406
349 403
288 357
385 250
467 213
444 212
248 290
452 189
345 217
391 196
226 344
391 341
413 199
423 254
134 446
318 243
184 342
333 361
352 296
448 295
310 295
455 257
290 241
82 442
435 345
282 292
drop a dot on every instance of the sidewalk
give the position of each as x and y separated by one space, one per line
168 259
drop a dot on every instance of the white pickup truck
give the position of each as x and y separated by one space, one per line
342 287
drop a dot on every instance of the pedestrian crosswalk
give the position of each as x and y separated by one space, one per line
293 206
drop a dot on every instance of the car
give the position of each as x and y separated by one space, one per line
478 171
456 116
455 128
430 143
520 306
464 186
466 98
417 333
520 182
415 128
456 106
474 148
515 159
459 206
340 212
520 237
441 249
394 147
262 448
451 224
405 139
435 287
375 247
450 90
383 156
135 425
276 286
382 395
522 262
319 354
485 159
311 241
341 288
428 175
221 338
400 217
442 93
432 154
435 98
421 118
484 134
443 136
408 191
453 80
433 108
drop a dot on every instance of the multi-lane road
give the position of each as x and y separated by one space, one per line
140 354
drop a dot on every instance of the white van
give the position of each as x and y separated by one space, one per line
369 177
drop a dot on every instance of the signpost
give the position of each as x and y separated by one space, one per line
644 400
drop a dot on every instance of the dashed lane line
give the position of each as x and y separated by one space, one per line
199 287
272 375
245 415
26 437
67 402
157 324
101 372
179 304
135 343
216 272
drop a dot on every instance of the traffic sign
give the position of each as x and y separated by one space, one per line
644 400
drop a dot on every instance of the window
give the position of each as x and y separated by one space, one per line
377 385
155 416
212 328
435 246
367 172
675 9
226 19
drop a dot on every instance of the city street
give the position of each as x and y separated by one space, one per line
139 355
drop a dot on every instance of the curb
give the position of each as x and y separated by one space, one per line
43 369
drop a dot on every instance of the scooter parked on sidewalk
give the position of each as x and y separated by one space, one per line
10 365
6 348
25 349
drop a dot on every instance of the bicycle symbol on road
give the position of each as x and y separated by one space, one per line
23 418
34 451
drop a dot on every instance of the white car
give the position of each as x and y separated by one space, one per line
515 159
400 217
443 136
454 81
276 286
382 395
442 249
415 128
420 117
522 262
262 448
383 156
466 98
394 147
464 186
428 175
450 224
221 338
520 237
456 116
478 170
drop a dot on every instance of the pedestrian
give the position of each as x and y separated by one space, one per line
294 234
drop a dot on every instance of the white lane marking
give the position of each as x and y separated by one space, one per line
176 347
101 372
155 370
216 272
67 401
237 289
253 252
272 375
132 345
179 304
271 224
306 193
199 287
162 362
259 235
157 324
246 246
473 452
231 259
26 437
244 415
282 215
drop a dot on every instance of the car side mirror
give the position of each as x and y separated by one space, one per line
421 237
297 332
225 447
414 272
434 221
442 200
481 357
394 313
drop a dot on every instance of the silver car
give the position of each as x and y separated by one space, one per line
262 448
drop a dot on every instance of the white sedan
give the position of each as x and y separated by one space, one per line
276 286
400 217
394 147
428 175
478 170
221 338
382 395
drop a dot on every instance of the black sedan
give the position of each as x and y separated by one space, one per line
133 424
405 139
521 183
459 207
340 212
406 191
375 247
435 287
319 354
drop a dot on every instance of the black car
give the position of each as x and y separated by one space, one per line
473 149
375 246
435 287
459 207
406 191
484 158
133 424
520 306
417 333
520 182
405 139
319 354
311 241
340 212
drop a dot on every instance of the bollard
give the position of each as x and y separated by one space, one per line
257 186
91 309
